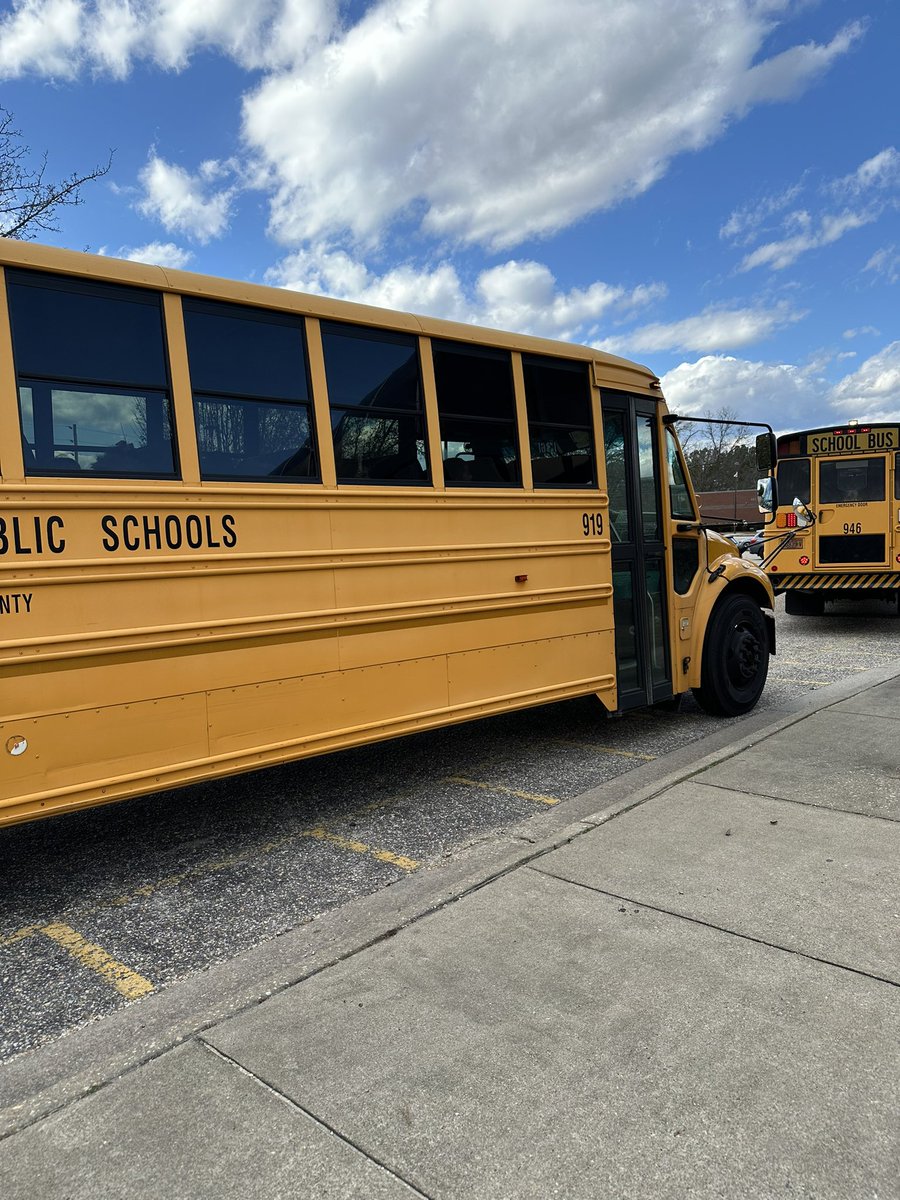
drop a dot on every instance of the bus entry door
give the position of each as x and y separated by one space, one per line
640 587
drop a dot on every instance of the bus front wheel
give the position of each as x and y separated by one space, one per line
735 658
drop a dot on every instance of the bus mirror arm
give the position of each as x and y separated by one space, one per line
803 511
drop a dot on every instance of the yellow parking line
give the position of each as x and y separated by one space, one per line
19 935
209 868
396 860
808 682
126 982
496 787
606 749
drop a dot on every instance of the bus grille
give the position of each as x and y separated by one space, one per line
862 548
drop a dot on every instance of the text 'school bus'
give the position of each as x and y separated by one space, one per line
239 525
848 478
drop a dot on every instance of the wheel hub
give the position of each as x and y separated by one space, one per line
745 657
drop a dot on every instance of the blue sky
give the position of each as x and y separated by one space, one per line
711 187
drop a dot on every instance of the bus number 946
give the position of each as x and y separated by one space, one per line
849 527
592 524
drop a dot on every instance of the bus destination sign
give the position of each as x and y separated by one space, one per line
855 439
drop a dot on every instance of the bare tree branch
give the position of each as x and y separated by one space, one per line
28 201
718 454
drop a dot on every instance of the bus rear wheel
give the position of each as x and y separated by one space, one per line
735 658
797 604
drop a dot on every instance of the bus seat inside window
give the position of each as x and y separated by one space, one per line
558 400
377 405
477 408
252 405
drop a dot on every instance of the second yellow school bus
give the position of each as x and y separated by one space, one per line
847 543
240 525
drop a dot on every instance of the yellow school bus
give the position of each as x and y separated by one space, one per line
845 542
240 525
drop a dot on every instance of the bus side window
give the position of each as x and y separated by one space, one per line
92 377
616 475
251 392
679 496
476 403
377 404
558 399
793 481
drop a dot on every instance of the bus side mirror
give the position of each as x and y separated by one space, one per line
766 494
766 454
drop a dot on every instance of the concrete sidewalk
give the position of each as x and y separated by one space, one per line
691 989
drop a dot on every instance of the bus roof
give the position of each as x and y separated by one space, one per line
839 427
30 255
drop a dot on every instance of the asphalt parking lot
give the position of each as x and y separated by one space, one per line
105 906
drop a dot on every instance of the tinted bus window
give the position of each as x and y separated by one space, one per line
558 399
616 476
93 384
793 480
251 393
377 406
851 479
477 410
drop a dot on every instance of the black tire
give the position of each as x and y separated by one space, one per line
800 604
735 658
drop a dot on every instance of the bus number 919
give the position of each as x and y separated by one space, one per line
592 524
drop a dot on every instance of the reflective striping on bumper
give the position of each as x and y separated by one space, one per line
843 580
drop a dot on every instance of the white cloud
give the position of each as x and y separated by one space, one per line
487 123
492 123
716 328
41 35
862 332
159 254
866 193
63 37
518 295
523 296
180 201
114 35
781 254
873 392
784 395
787 396
885 263
880 172
745 222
